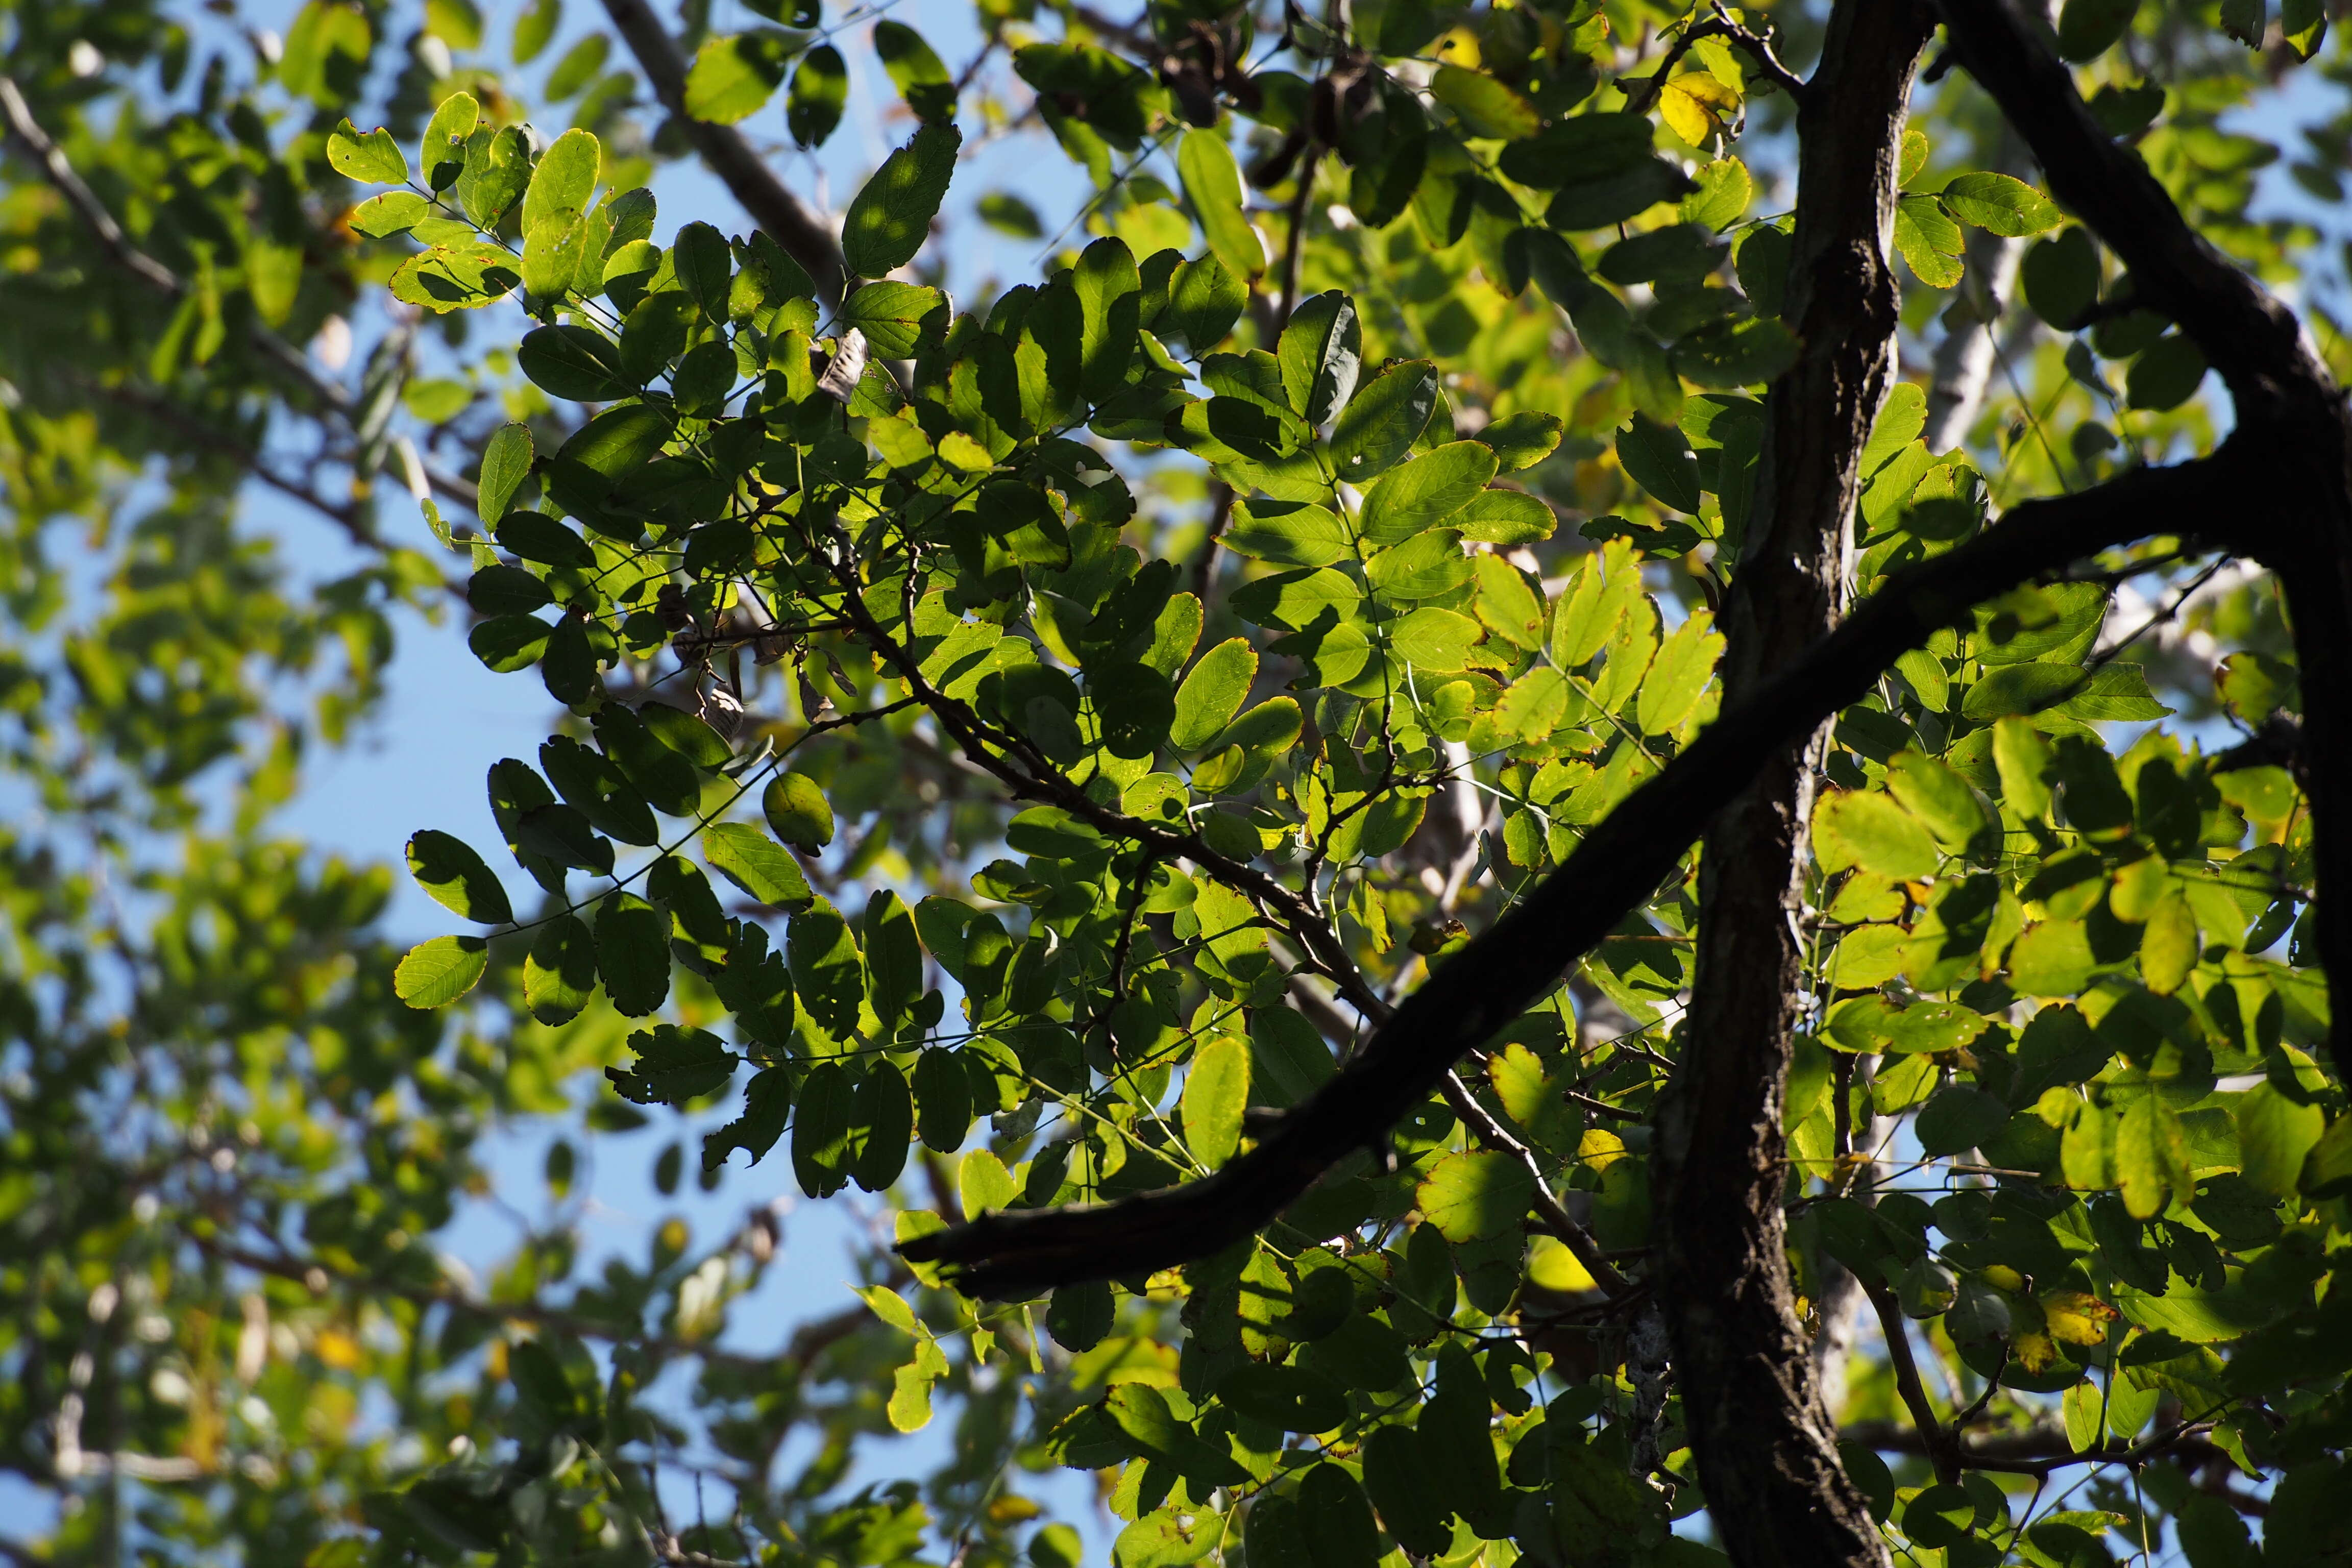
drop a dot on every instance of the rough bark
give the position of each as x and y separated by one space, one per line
1765 1447
2291 414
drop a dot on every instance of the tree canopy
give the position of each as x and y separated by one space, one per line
1563 803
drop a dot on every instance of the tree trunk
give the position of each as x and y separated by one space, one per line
1765 1447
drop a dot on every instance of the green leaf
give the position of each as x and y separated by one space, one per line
448 868
2151 1156
983 1183
633 953
497 172
594 785
1320 354
371 157
821 1136
2165 374
686 735
735 74
2274 1133
1289 534
891 314
1216 1091
1929 241
705 266
943 1108
1521 440
560 973
1136 706
1679 675
436 972
915 71
575 362
890 217
828 975
1109 292
1606 585
1939 1515
1204 300
2026 763
456 278
1485 105
1960 1118
550 257
1385 418
1939 797
820 90
755 863
1659 458
2003 204
1856 827
798 812
564 180
618 441
506 463
2060 278
1213 183
442 153
1424 492
1473 1195
394 212
1336 1520
884 1117
664 778
1213 692
535 27
2087 28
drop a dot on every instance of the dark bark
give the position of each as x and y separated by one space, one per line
1620 863
2291 414
1764 1447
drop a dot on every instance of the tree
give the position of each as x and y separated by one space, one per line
1476 883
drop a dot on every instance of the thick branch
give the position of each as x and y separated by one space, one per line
1480 989
745 174
1764 1444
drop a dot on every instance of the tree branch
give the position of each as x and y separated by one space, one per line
1476 993
743 172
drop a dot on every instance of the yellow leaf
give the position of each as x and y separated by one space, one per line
2076 1318
338 1349
1692 103
1553 1266
1601 1149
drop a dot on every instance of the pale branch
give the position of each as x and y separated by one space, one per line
124 253
744 172
1473 995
